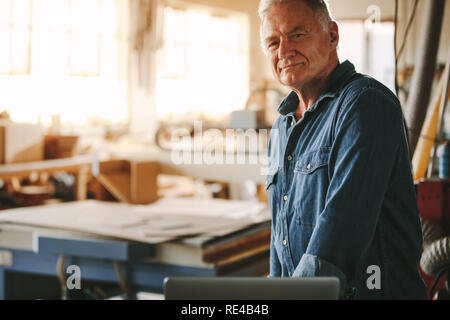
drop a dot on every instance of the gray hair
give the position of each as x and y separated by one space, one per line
320 7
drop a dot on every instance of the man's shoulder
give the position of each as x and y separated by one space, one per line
361 85
368 101
366 94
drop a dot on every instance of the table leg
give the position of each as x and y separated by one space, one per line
81 183
3 284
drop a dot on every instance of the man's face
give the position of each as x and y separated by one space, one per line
296 43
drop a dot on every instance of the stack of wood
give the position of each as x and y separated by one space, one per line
57 147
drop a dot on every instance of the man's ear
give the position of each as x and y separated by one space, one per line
333 31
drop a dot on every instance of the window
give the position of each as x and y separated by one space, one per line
370 47
15 36
203 67
66 57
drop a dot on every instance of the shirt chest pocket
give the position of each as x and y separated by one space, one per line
312 161
310 185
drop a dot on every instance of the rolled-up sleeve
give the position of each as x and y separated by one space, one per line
367 136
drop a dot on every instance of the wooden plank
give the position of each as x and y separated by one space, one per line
428 133
2 144
114 166
118 183
220 253
81 183
143 184
71 165
251 266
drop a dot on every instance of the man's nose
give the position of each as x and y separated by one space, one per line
285 49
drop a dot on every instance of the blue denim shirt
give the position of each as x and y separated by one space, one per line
341 191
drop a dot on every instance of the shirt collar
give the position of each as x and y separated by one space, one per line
338 79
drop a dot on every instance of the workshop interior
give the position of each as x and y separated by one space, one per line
134 137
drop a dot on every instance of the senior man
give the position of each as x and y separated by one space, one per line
340 185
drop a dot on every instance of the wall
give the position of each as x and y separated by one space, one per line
351 9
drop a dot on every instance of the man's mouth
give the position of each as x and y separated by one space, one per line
290 66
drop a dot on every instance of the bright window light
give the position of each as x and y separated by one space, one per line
67 59
203 67
370 47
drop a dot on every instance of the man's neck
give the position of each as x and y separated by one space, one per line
310 92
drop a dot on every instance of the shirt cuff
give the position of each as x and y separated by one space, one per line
313 266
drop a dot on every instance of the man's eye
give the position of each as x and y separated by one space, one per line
298 35
272 44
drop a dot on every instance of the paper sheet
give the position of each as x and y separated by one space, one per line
155 223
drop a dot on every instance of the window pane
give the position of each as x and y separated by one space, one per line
85 42
5 12
50 53
382 56
108 19
50 15
4 52
50 85
85 15
352 43
21 13
110 59
370 48
202 55
84 54
20 46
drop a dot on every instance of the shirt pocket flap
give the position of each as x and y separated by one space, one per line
311 161
271 179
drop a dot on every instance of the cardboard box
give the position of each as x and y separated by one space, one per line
130 181
20 142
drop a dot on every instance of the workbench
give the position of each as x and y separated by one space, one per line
137 266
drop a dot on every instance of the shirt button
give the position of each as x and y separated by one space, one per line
308 166
292 123
285 198
284 242
289 158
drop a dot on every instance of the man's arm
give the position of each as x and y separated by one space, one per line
367 136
